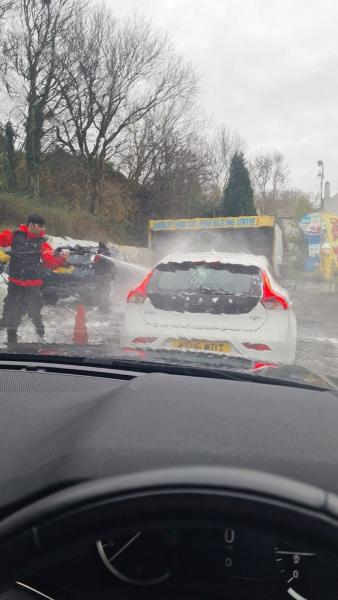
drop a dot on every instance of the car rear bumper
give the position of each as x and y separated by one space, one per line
275 341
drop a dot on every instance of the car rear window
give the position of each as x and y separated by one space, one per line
207 278
213 288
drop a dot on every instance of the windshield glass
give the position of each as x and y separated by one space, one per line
168 190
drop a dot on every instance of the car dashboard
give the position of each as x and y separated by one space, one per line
62 427
237 562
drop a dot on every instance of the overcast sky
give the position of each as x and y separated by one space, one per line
269 69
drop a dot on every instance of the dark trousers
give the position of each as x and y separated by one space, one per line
104 285
21 300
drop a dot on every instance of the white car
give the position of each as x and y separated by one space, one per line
3 284
215 303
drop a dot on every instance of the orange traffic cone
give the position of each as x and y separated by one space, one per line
80 335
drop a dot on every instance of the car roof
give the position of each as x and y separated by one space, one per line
222 257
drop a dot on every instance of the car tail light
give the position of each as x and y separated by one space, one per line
271 299
135 351
263 365
144 340
260 347
139 294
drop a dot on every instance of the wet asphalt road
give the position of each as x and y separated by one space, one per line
59 323
314 302
316 306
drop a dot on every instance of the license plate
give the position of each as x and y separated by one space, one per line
201 345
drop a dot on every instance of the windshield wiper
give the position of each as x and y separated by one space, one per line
143 366
232 374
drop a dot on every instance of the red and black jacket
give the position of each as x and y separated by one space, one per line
29 253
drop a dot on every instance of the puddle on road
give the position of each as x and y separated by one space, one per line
59 326
333 341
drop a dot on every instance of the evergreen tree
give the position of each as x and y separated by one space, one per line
238 194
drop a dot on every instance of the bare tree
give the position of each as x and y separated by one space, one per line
5 7
164 153
178 181
222 147
114 74
279 176
29 67
269 175
155 140
261 172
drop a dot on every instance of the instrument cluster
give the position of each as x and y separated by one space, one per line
236 558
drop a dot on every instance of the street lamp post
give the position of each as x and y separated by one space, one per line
321 176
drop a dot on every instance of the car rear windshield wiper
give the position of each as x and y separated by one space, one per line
205 290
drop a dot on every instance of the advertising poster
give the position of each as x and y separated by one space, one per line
310 225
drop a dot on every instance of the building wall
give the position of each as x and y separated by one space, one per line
331 205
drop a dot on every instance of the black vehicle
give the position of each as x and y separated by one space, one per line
88 276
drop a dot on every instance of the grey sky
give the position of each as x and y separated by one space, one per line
269 69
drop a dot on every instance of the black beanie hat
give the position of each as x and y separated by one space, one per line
36 219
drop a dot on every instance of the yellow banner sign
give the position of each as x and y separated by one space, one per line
331 235
212 223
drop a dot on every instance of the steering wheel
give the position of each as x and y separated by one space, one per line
56 525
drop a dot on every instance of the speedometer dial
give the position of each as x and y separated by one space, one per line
142 558
295 568
306 575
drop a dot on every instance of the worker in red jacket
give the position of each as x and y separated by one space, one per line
29 252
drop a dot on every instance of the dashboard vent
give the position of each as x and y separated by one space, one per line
28 382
